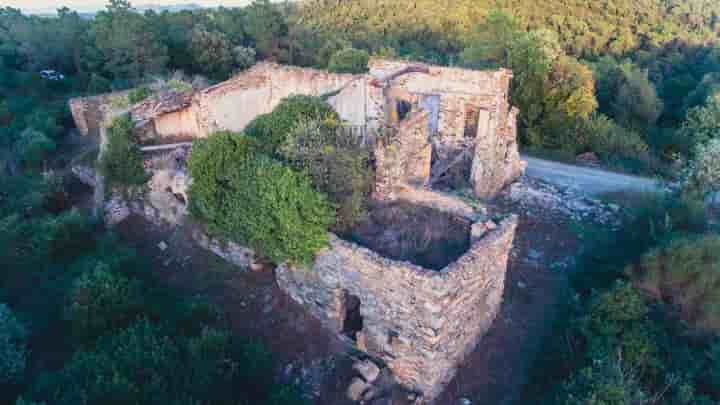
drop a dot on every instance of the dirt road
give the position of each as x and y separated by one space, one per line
588 180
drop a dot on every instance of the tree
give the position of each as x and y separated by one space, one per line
129 46
337 165
349 60
33 147
701 124
212 52
13 347
266 26
121 162
273 129
703 172
103 301
636 103
254 200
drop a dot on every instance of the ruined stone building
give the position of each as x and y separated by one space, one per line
419 285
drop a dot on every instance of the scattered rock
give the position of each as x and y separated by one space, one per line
162 246
357 388
464 401
367 369
536 197
521 285
588 159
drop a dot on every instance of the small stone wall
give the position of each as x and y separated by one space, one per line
421 323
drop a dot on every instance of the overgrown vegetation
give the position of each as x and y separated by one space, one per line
121 162
635 331
272 130
255 200
338 166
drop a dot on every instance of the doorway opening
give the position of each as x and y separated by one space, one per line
353 321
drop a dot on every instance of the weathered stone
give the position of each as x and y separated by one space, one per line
460 120
357 388
421 323
367 369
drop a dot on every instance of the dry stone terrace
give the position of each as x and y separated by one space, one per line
419 283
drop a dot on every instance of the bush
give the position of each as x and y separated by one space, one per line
606 382
686 274
255 200
349 60
703 172
33 147
272 129
337 165
121 162
13 352
102 301
143 364
139 94
64 237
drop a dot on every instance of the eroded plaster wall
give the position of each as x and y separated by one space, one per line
420 322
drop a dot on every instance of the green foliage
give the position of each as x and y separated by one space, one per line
606 382
685 273
212 52
34 147
128 45
336 165
64 237
349 60
256 201
703 172
121 162
139 94
13 347
103 301
98 84
266 26
702 123
143 364
272 130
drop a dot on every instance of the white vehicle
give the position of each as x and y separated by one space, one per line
51 75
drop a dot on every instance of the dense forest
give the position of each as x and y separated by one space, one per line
635 82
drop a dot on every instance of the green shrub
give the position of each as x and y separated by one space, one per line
255 200
65 236
605 382
102 301
139 94
272 129
686 274
143 364
617 322
349 60
13 351
121 162
33 147
337 165
703 172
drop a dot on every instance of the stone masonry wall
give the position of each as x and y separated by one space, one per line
421 323
405 159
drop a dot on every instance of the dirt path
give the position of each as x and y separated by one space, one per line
590 181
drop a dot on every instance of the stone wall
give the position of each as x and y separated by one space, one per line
403 157
421 323
90 113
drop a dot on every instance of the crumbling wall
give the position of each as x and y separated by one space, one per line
420 322
403 157
231 105
496 161
90 113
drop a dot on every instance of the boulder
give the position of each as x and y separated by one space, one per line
357 388
367 369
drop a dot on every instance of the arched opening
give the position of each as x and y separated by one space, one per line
353 320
